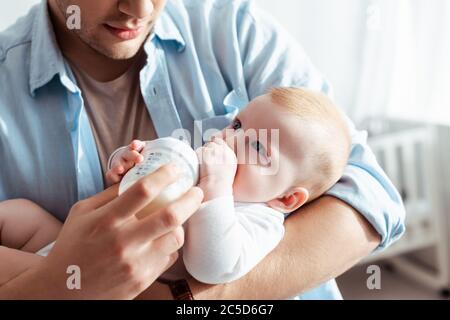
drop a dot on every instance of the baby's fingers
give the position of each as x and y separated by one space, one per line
133 156
118 169
112 177
137 145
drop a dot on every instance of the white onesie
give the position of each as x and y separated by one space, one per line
225 240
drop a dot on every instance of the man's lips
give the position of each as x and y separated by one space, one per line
124 33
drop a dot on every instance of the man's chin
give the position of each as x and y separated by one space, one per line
112 49
116 51
119 52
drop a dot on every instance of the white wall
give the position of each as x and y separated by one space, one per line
331 32
11 10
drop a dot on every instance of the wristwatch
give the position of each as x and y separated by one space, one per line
179 288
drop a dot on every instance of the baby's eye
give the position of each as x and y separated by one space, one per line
259 147
236 125
263 158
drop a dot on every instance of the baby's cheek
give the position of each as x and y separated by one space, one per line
250 186
241 185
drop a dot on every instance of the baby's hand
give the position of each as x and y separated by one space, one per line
124 160
218 165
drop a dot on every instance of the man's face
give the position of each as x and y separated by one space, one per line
115 28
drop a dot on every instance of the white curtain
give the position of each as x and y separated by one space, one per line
405 71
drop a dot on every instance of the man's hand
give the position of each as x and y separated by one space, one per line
118 255
218 165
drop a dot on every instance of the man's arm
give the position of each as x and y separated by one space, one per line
15 262
322 240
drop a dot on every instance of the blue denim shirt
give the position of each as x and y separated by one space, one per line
206 60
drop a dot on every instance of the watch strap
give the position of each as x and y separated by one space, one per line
179 288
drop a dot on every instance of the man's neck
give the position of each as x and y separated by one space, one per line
78 53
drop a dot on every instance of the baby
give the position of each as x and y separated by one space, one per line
241 219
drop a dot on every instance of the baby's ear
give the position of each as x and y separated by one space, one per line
293 199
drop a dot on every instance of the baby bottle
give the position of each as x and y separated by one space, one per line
157 153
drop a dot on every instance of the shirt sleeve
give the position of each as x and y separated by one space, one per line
224 242
272 58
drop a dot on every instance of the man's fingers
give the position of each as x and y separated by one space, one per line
142 193
100 199
172 259
169 243
165 220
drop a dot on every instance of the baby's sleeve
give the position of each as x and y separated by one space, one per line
224 241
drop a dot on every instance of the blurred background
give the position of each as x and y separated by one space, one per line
389 64
388 61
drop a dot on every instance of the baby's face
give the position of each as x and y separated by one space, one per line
279 142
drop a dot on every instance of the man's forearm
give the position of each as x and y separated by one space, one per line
322 241
15 271
15 262
23 276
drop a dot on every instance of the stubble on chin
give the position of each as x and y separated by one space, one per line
115 52
88 36
109 51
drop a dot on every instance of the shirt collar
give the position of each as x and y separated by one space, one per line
166 30
46 58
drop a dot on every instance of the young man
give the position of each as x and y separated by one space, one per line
143 69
